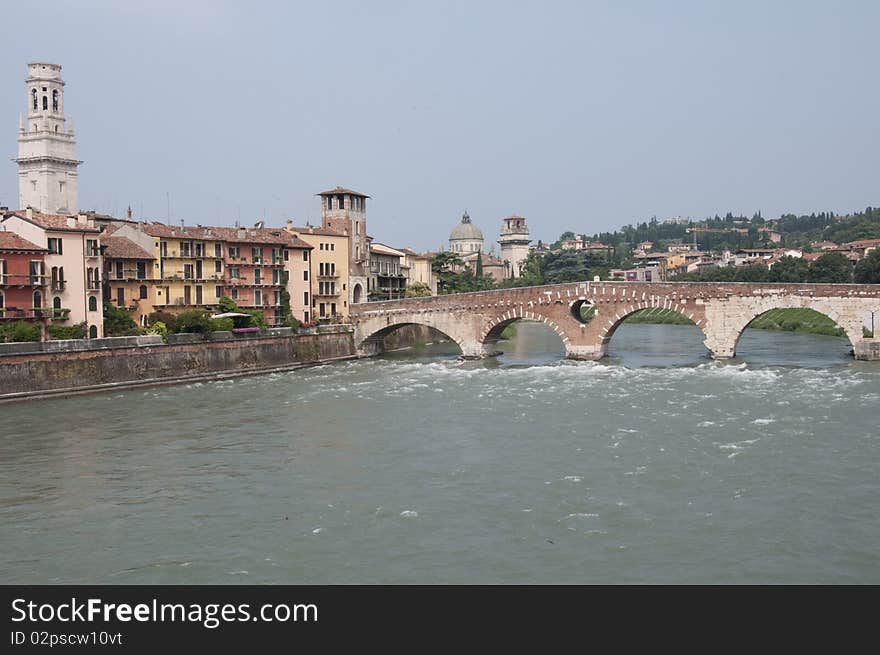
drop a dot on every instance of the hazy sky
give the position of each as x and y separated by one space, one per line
578 115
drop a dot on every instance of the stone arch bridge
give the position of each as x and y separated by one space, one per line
721 310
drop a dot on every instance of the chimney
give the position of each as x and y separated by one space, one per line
29 212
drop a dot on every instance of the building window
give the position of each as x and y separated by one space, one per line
218 267
218 251
56 246
38 299
45 103
306 275
234 294
93 332
258 276
306 299
142 271
233 252
143 291
55 100
34 96
93 304
258 297
218 292
305 255
56 303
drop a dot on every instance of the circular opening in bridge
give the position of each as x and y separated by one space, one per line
793 336
657 337
523 342
583 311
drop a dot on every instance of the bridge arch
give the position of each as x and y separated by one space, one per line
370 334
609 325
848 317
492 329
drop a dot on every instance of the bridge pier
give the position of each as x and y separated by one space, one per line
476 350
867 350
587 352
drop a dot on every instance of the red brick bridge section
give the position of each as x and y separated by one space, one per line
721 310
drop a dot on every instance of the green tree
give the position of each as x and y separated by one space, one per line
790 269
868 270
446 261
833 267
194 321
418 290
118 322
478 267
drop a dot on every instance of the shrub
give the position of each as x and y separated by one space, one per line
167 318
194 321
61 332
159 328
19 331
291 322
118 322
222 324
256 319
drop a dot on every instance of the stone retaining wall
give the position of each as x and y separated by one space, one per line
142 358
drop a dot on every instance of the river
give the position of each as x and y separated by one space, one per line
655 465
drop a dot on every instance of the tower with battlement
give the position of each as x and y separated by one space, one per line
514 240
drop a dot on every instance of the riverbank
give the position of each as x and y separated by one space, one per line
53 369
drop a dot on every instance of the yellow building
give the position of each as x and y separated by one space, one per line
190 263
418 269
329 275
130 271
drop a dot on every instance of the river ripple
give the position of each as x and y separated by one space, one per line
655 465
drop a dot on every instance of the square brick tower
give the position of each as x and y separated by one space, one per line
345 211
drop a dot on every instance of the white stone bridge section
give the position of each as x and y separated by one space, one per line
721 310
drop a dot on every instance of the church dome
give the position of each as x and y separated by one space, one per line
466 231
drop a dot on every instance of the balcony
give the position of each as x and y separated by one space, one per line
16 280
33 313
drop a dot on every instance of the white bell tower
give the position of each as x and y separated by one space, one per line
47 163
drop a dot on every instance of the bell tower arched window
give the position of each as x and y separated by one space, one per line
34 96
45 103
55 100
